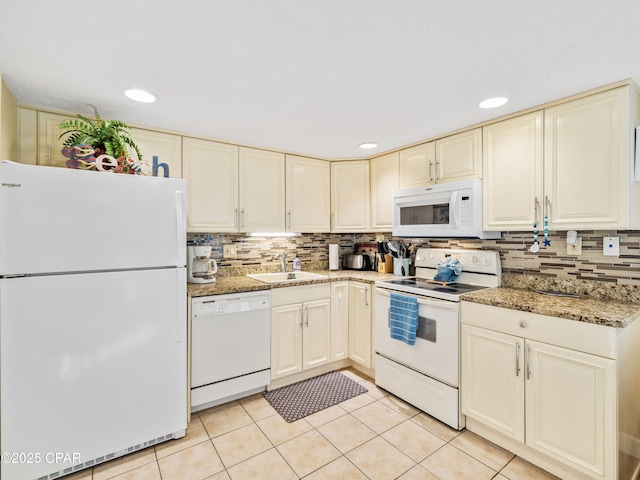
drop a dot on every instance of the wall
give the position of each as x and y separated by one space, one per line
8 124
551 262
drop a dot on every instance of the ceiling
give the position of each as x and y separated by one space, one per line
313 77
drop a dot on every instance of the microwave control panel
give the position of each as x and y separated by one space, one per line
465 209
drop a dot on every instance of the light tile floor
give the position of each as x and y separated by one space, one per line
372 436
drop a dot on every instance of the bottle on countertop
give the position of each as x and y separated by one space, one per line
297 264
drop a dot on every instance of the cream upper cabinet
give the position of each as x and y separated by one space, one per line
339 321
417 165
385 171
459 156
262 191
360 340
211 172
350 196
8 123
547 387
512 173
451 158
572 162
49 146
165 147
588 161
308 185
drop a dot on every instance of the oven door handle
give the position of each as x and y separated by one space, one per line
426 301
434 302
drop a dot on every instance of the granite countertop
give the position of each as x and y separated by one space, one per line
243 283
591 306
613 313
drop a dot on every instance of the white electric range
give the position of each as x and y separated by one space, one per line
427 374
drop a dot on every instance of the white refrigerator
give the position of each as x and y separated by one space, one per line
93 356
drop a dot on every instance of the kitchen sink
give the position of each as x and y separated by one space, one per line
288 277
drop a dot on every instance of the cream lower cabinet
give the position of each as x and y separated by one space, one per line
339 321
300 329
493 387
360 339
541 387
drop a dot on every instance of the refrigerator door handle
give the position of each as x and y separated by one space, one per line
180 327
180 227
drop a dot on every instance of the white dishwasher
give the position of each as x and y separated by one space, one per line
230 347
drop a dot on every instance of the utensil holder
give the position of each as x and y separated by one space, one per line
398 263
387 265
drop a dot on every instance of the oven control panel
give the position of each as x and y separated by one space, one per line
478 261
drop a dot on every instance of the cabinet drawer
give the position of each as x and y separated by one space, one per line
300 294
585 337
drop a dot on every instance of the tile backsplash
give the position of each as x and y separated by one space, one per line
256 253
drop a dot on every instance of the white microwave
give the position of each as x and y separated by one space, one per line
451 209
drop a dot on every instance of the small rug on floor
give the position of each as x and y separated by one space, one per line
298 400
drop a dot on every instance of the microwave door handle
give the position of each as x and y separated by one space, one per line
454 214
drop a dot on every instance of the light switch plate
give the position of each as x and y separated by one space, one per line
230 251
611 246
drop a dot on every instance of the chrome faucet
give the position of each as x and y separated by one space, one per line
283 259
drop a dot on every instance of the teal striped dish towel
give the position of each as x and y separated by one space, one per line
403 318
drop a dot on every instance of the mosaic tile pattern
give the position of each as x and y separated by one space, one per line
550 262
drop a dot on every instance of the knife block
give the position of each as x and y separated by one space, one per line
387 265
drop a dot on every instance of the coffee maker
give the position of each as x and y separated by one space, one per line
200 268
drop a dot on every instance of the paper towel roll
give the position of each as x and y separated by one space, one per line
334 262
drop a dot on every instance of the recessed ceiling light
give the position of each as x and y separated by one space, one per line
368 145
140 95
493 102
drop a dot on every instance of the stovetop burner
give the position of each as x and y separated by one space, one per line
480 269
418 286
431 285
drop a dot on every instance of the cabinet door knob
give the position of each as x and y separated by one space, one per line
523 325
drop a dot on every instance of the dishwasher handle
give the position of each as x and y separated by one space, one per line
229 304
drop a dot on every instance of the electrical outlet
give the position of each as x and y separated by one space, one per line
230 251
575 249
611 246
379 237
